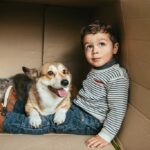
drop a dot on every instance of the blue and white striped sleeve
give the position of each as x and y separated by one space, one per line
117 100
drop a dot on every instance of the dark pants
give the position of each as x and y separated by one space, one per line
77 122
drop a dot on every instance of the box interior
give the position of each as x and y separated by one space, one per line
33 32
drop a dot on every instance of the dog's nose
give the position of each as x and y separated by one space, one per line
64 82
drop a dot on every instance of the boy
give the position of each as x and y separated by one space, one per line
100 106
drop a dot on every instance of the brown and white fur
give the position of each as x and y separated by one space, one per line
50 94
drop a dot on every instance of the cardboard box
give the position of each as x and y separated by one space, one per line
33 32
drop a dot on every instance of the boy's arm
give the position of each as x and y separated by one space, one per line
117 102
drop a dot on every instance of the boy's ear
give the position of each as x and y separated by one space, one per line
116 47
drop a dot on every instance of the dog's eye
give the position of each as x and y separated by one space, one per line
65 71
51 73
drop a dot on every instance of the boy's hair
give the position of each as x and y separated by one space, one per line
96 27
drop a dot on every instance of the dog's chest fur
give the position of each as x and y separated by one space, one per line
48 100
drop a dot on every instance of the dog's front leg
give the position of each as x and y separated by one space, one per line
60 116
35 119
61 110
32 109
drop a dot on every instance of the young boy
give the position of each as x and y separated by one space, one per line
100 106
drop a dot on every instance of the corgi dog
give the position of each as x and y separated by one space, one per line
50 94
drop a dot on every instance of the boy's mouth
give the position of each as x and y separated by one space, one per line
61 92
95 59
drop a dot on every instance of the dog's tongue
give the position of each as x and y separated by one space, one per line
62 92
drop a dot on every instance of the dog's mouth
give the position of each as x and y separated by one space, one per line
61 92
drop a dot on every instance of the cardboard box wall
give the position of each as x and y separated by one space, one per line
32 34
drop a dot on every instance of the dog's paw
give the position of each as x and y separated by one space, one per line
35 121
59 117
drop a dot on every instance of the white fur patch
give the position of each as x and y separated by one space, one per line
35 119
60 116
48 99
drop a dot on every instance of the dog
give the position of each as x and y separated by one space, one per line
51 94
21 83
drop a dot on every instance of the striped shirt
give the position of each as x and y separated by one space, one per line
104 95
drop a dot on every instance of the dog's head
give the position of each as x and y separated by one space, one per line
32 73
56 77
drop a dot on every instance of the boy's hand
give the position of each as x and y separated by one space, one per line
96 141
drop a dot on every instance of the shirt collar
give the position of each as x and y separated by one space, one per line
107 65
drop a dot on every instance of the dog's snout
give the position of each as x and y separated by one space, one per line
64 82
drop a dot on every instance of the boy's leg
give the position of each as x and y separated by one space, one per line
19 123
77 122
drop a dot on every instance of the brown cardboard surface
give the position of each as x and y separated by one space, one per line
138 29
136 56
62 38
139 71
35 34
46 142
20 38
139 50
124 55
140 99
139 62
136 8
135 133
62 33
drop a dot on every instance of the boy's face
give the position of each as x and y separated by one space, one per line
99 49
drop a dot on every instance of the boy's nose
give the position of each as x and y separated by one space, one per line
95 50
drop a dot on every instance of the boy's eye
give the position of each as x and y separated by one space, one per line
88 47
51 73
102 44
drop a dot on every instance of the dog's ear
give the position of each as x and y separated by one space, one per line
25 69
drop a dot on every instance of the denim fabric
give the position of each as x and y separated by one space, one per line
20 106
77 122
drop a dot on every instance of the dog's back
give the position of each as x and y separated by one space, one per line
22 84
